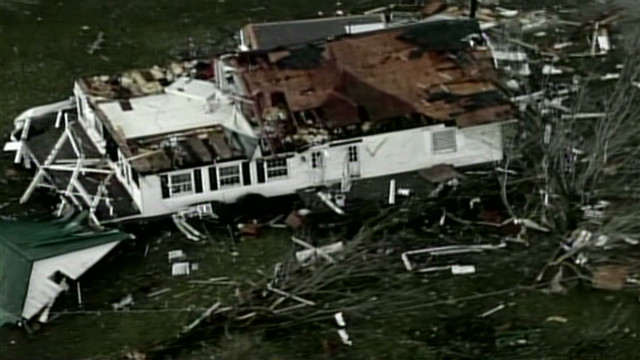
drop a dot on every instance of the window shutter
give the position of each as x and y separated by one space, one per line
246 173
197 180
164 184
260 171
213 178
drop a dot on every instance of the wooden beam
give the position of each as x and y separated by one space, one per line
41 171
23 141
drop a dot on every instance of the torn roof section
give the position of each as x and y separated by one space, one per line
35 254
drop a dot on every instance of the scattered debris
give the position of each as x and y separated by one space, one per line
344 337
463 269
124 303
492 311
558 319
180 268
440 173
310 255
189 231
174 255
96 44
610 277
448 250
158 293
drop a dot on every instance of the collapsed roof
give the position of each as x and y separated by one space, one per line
434 70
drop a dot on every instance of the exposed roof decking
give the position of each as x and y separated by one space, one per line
389 73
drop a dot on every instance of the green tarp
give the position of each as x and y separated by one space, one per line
23 242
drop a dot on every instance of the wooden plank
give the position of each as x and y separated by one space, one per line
220 145
199 149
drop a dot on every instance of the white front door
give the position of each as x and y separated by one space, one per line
353 161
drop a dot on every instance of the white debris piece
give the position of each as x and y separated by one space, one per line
492 311
547 133
549 69
340 319
345 337
125 302
513 84
176 255
486 25
180 268
404 192
530 224
559 319
392 192
517 56
11 146
610 76
603 40
562 45
309 255
506 12
463 269
326 198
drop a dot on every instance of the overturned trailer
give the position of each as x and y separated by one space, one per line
176 139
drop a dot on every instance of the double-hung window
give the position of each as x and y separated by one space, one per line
229 176
277 168
181 184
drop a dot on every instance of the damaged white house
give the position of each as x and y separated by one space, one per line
269 121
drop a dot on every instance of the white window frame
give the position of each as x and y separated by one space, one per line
269 167
188 190
222 177
451 148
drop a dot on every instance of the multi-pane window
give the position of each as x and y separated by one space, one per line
353 153
181 184
277 168
316 159
444 141
229 176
